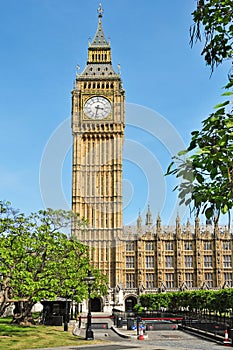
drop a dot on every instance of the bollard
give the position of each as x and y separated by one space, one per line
226 340
231 336
141 335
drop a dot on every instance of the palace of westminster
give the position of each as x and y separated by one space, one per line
145 258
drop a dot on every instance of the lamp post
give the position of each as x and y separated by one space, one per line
89 280
66 320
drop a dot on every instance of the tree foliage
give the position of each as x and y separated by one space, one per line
205 168
155 301
192 301
38 261
213 23
207 174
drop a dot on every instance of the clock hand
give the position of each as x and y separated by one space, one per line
97 109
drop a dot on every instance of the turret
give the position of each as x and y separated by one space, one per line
149 220
139 221
158 225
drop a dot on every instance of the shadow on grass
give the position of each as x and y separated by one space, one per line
8 329
14 337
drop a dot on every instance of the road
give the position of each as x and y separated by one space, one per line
157 340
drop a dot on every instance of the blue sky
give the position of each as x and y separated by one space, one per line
41 43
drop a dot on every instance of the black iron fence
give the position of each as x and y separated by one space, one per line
213 323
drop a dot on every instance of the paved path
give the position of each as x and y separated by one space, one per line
157 340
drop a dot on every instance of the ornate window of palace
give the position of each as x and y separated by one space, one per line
130 282
227 261
209 279
129 247
189 279
150 280
169 280
188 261
208 245
226 245
150 263
169 246
208 261
149 246
188 245
228 278
169 261
129 262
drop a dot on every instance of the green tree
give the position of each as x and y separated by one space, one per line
213 24
205 168
207 174
13 225
39 262
155 301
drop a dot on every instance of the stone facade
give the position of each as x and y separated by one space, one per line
143 258
177 258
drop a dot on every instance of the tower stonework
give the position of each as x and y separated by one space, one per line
98 107
148 257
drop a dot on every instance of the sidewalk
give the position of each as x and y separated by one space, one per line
123 339
157 340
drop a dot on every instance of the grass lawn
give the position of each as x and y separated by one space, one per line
14 337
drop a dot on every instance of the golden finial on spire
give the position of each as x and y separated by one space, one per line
100 10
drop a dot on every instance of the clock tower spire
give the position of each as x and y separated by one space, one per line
98 107
99 61
99 39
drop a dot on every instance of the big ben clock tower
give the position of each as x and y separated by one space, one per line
98 107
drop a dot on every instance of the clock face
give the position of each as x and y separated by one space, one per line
97 107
